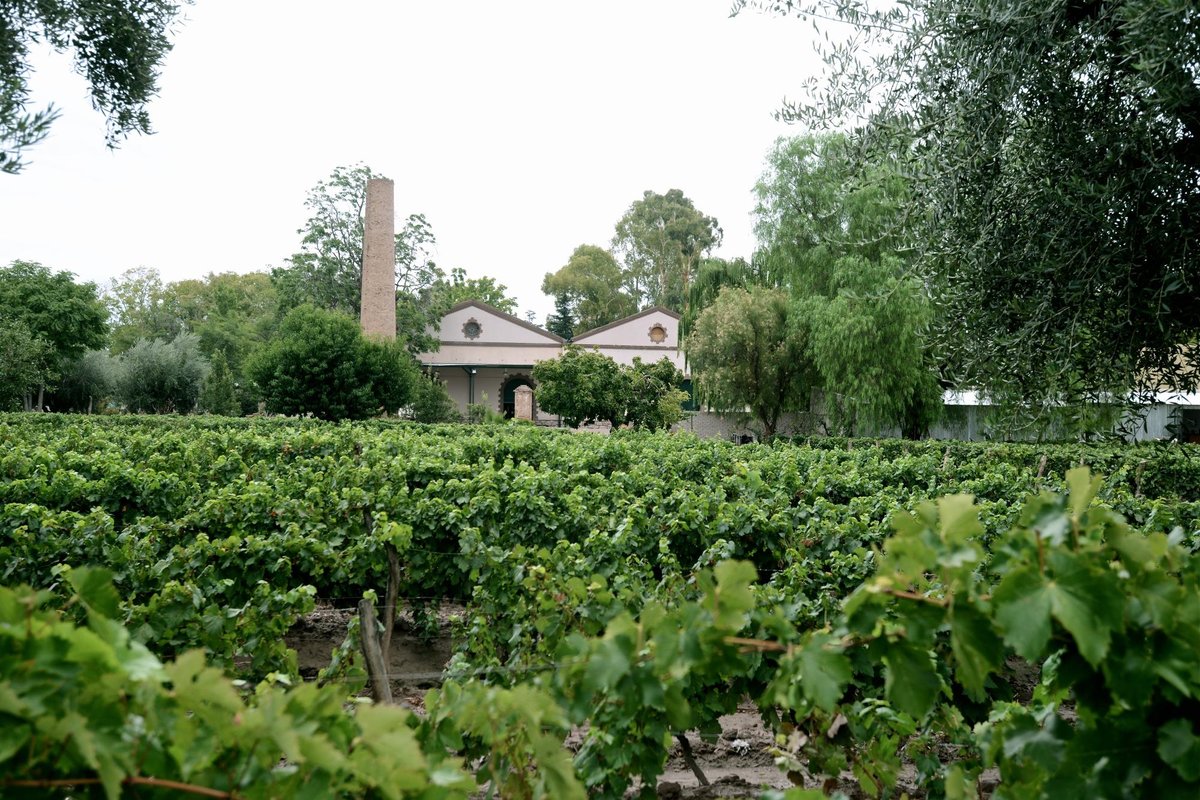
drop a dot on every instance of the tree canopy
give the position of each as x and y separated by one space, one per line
661 239
446 292
584 386
590 285
832 232
327 272
68 317
1053 150
118 46
26 362
157 377
319 363
750 357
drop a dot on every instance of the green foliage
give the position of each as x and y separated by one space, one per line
653 399
118 47
585 386
432 403
26 362
581 386
320 364
662 239
561 322
327 272
1059 256
715 274
588 289
831 231
88 711
229 312
610 581
446 293
159 377
516 733
749 354
140 309
219 395
86 383
65 314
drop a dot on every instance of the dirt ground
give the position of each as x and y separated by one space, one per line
738 765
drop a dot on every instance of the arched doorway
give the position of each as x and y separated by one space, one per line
508 402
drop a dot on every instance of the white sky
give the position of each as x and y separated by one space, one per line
520 129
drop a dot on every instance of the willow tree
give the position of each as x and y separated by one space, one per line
1053 148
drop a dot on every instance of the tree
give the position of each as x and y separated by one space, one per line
231 313
26 362
867 342
714 275
1054 149
157 377
584 386
327 272
831 231
653 399
140 308
432 403
68 316
446 293
219 396
749 355
661 239
590 285
119 46
85 382
581 386
320 364
816 204
561 322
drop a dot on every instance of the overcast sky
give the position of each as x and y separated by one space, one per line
520 129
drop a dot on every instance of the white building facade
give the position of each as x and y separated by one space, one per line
484 354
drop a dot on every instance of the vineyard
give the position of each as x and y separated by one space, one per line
1025 612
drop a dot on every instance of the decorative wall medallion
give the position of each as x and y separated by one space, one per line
471 328
658 334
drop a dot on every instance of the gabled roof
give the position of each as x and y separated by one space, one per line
490 309
630 318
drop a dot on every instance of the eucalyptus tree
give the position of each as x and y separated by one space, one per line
590 285
662 239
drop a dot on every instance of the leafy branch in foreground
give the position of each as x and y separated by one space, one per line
85 711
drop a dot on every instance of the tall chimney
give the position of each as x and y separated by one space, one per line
378 315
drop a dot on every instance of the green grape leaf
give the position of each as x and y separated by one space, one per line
912 682
1023 611
978 651
823 672
13 737
679 712
733 597
94 587
960 785
1180 747
606 665
1088 602
958 519
1083 488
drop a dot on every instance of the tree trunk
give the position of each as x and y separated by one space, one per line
41 398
